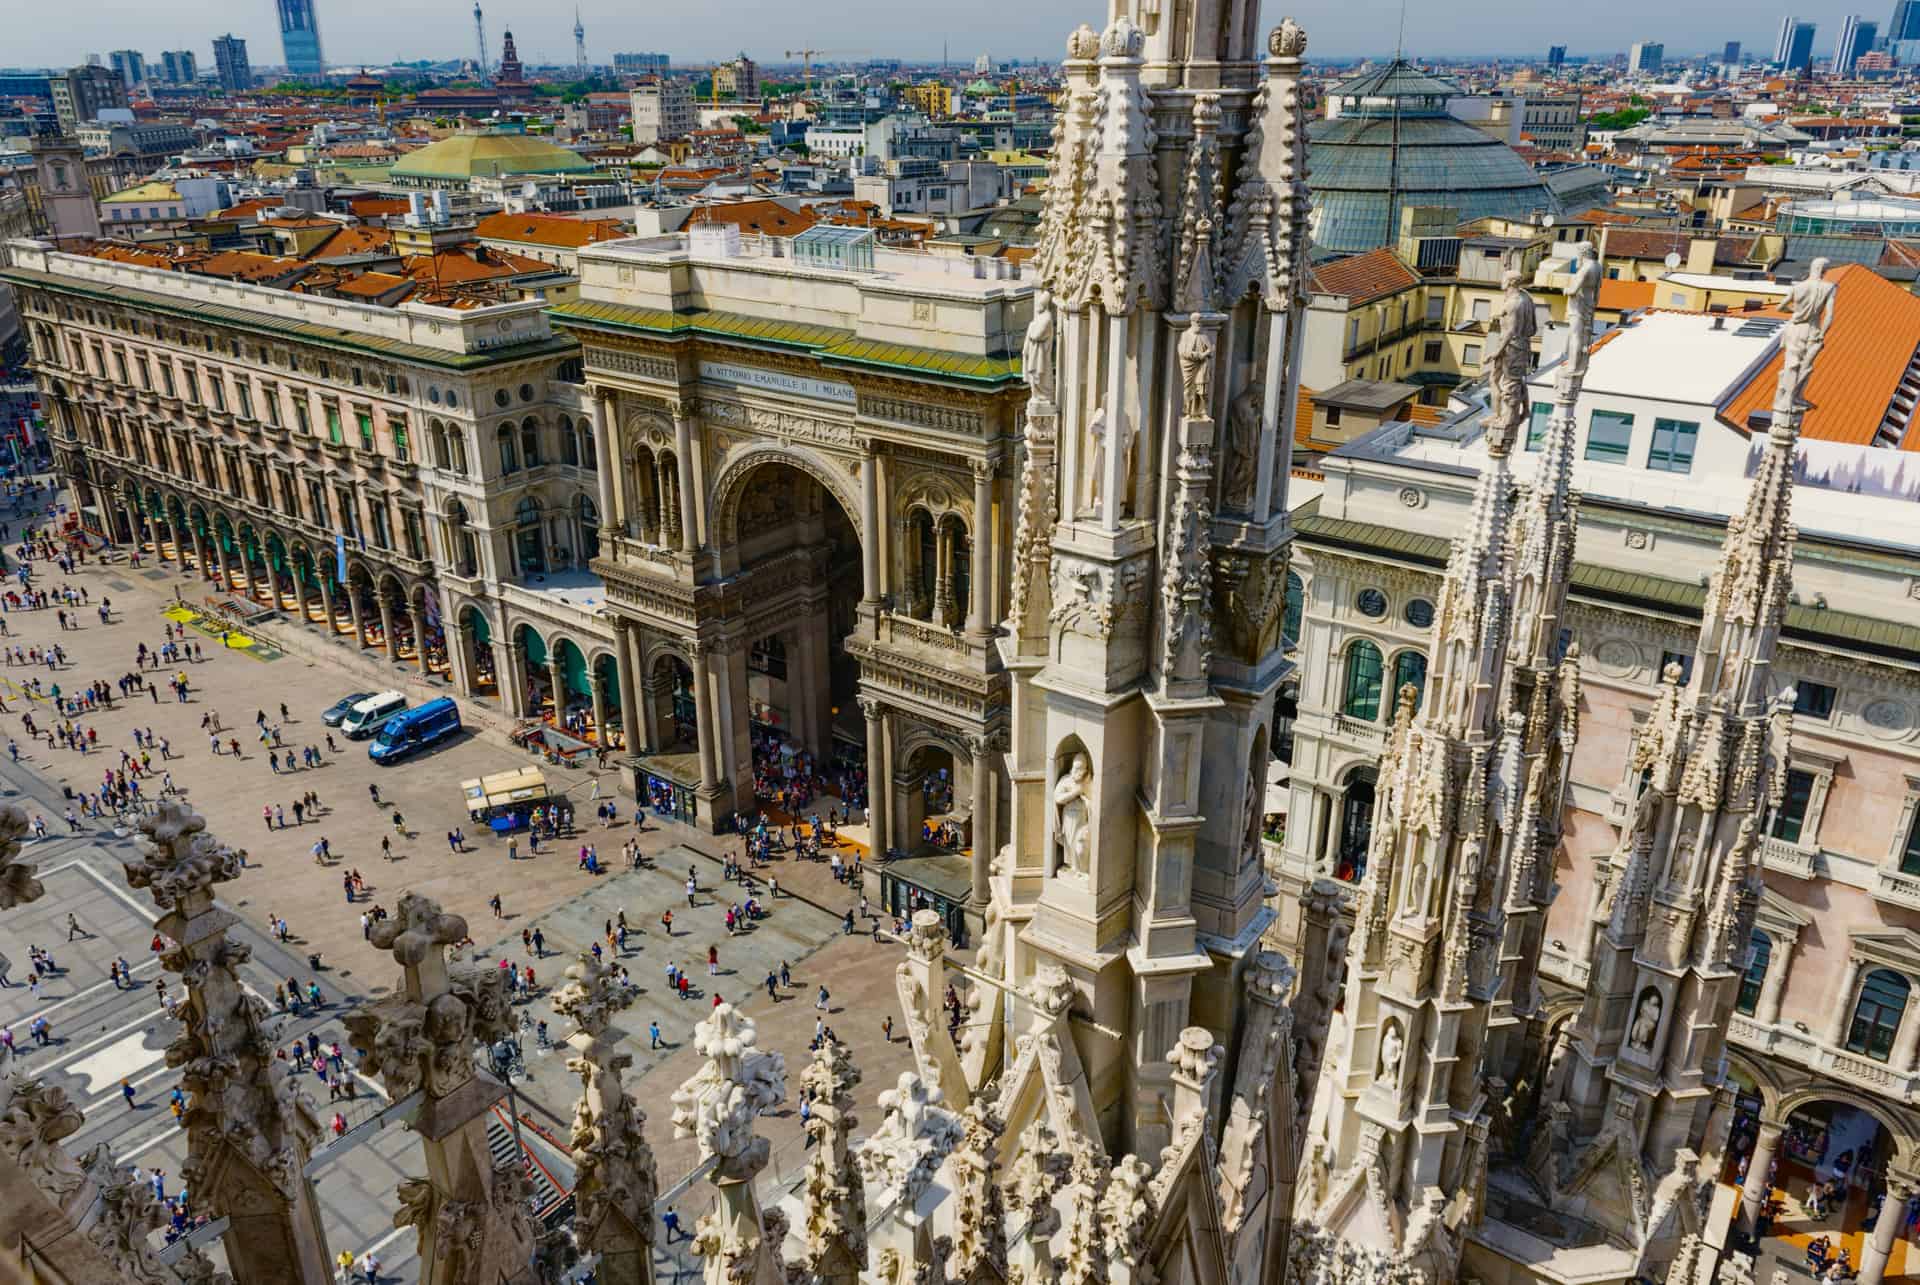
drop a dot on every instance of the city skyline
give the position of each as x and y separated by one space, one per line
362 31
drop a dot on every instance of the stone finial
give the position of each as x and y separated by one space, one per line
1051 990
1084 44
1288 40
927 938
1196 1055
1122 39
34 1119
591 995
419 926
178 857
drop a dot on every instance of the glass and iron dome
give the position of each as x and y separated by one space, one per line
1391 146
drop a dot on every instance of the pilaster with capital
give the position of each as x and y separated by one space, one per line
250 1128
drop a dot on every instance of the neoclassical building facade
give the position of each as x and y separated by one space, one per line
416 480
807 529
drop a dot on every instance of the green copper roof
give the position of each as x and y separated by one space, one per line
832 345
303 331
466 156
1844 630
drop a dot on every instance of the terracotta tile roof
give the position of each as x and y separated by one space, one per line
130 254
353 241
373 207
1868 350
1362 278
548 229
769 217
244 265
1617 295
457 267
372 284
1900 254
1303 419
1426 416
1631 243
299 223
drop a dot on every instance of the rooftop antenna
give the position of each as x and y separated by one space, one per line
480 34
579 45
1400 45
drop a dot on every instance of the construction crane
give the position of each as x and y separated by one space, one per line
806 57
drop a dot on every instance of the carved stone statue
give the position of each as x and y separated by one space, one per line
1583 295
1392 1048
1810 309
1240 462
1646 1022
1036 353
1097 440
1073 795
1196 372
1509 358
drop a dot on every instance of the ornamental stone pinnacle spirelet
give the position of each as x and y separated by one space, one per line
1288 40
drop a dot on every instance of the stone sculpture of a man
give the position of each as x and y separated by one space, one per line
1073 795
1509 358
1036 354
1810 312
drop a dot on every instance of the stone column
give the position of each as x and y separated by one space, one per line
615 1180
705 733
605 460
558 677
982 820
470 1210
418 619
1767 1011
1904 1040
1755 1191
877 782
943 542
1886 1229
250 1127
980 572
326 601
629 690
597 690
386 625
460 657
507 676
684 494
870 526
1843 1010
668 520
173 538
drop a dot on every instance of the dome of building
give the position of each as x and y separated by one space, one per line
1390 145
467 156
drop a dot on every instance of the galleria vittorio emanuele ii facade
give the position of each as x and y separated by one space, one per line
1034 530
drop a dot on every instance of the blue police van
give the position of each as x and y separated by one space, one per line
415 729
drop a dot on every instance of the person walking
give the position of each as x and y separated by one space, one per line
126 1091
820 1002
653 1033
494 902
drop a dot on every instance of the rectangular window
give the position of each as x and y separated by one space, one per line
1333 417
218 387
1483 310
333 424
1436 307
166 377
190 385
270 403
1537 426
1791 816
1684 659
120 365
244 393
301 418
1910 855
1609 435
1430 352
399 428
1470 355
1673 442
146 375
364 421
1813 700
1353 333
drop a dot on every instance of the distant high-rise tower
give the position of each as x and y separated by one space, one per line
181 67
1856 38
230 63
1905 23
1731 54
579 44
1794 50
300 39
131 65
1646 57
1556 57
480 39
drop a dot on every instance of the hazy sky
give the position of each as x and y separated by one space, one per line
380 31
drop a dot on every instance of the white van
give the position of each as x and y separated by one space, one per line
371 714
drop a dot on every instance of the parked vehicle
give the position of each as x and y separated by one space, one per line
340 708
371 714
415 729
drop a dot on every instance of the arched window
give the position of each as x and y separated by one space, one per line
587 457
457 447
1295 608
1876 1014
569 444
1363 682
437 442
509 459
530 443
1410 667
1759 955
